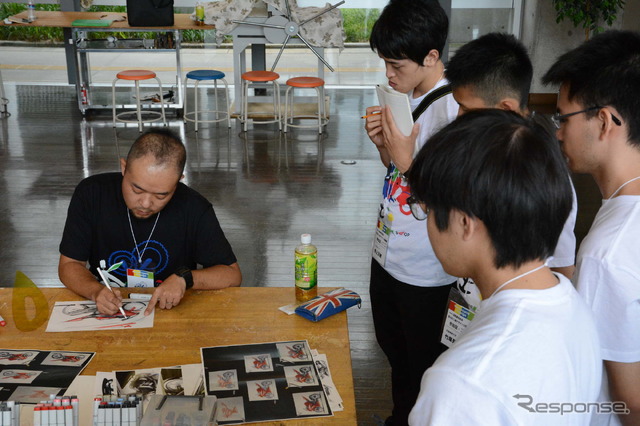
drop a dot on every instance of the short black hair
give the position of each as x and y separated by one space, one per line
495 66
604 71
163 144
503 169
410 29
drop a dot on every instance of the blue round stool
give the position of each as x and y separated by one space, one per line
206 75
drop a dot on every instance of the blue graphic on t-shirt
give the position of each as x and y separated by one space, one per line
155 257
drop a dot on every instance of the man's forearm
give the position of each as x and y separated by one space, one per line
77 278
219 276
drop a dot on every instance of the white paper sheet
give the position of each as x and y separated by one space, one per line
84 316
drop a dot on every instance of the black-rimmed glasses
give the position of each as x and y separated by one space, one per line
416 209
558 119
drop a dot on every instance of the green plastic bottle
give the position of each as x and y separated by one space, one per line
306 269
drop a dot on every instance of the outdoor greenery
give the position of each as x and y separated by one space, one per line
357 25
588 13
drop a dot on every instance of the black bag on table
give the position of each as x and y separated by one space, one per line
150 13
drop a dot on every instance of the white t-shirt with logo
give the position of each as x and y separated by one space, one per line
408 255
523 348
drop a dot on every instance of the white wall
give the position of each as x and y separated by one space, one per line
546 39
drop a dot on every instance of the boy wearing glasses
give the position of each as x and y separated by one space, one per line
408 287
598 122
493 189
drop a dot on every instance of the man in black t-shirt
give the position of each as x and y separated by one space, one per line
144 217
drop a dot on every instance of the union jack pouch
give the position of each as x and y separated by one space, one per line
329 303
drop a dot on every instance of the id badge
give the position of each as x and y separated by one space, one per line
139 278
381 242
459 316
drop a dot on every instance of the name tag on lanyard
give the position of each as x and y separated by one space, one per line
139 278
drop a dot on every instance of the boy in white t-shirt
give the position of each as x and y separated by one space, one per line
493 189
408 287
598 123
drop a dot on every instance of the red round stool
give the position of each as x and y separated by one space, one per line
263 77
136 76
305 83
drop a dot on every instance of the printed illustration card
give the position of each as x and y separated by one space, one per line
30 376
264 382
84 316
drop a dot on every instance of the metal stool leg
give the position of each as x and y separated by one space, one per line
113 100
195 107
138 107
287 108
186 110
276 88
245 104
164 120
226 91
215 98
319 111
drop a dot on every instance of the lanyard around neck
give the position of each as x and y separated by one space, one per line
134 237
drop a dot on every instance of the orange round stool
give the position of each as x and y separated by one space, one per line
305 83
136 76
260 77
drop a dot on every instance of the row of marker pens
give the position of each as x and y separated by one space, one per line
9 413
58 411
118 412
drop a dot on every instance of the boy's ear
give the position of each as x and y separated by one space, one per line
509 104
431 59
468 226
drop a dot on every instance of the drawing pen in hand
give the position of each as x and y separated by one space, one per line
106 282
372 114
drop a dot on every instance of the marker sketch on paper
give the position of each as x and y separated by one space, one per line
84 316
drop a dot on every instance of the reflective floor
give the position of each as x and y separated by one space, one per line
266 188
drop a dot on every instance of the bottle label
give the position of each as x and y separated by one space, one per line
306 273
200 12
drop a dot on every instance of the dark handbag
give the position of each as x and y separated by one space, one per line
150 13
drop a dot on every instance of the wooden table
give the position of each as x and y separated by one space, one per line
239 315
182 21
81 45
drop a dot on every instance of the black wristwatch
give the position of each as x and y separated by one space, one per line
185 273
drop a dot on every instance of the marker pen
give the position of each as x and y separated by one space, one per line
75 404
96 404
36 415
140 296
101 413
11 408
124 414
117 410
138 410
6 415
68 415
132 414
16 411
51 415
2 321
44 416
60 415
108 415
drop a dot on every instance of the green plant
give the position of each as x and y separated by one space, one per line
588 13
24 33
358 23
